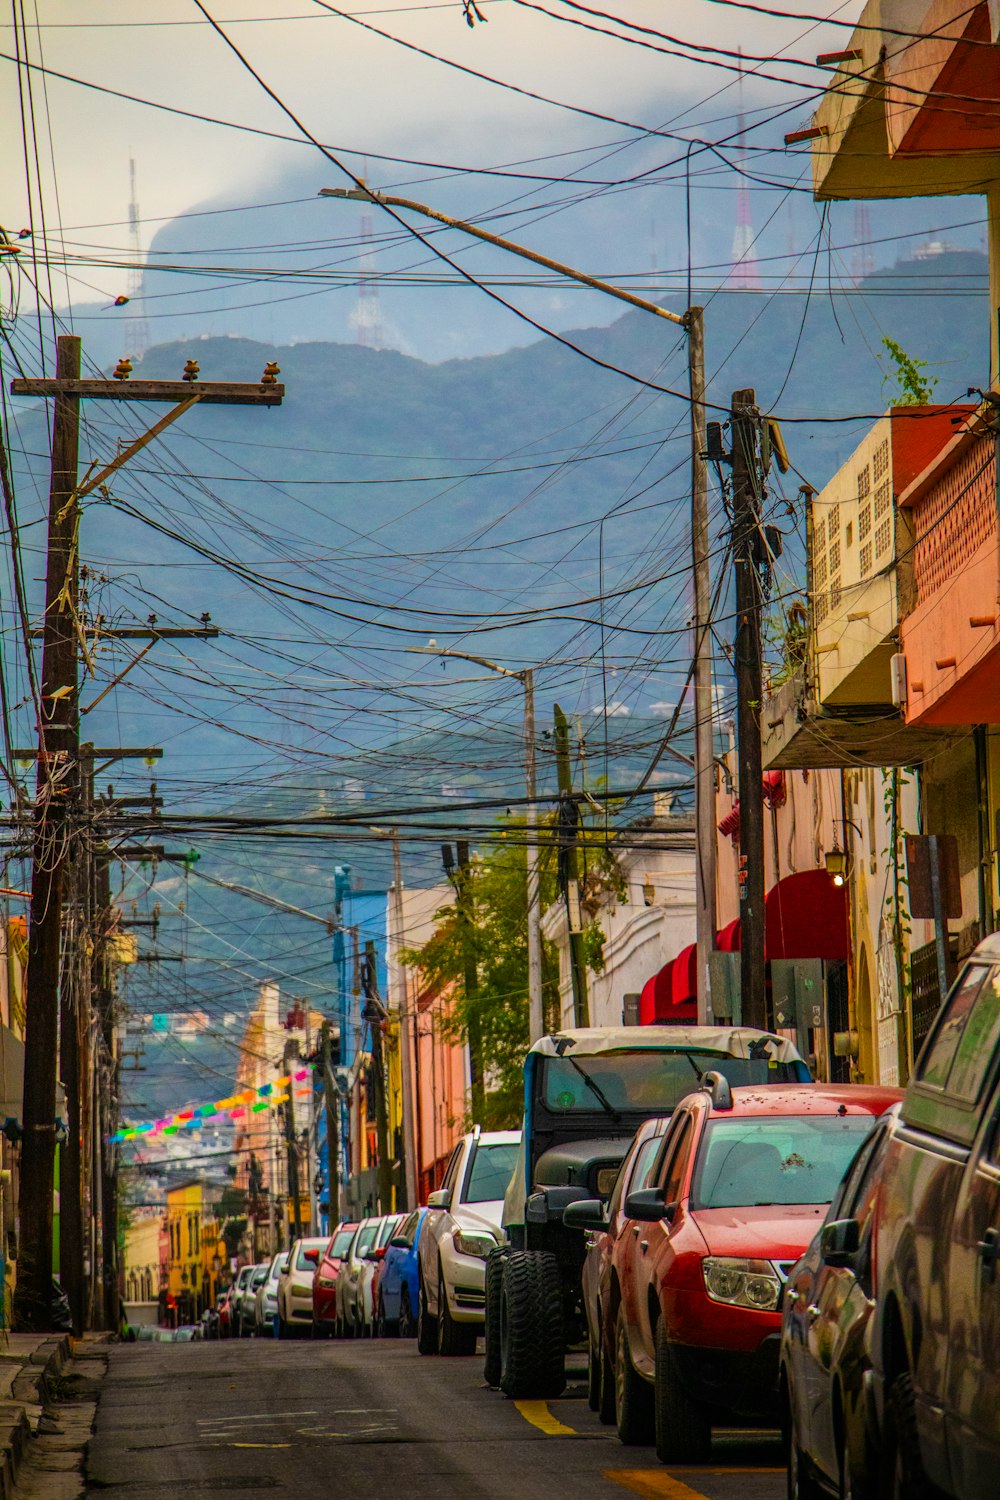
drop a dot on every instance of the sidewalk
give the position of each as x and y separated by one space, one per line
31 1383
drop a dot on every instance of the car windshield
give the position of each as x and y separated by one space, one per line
366 1237
339 1243
492 1167
301 1264
774 1160
645 1080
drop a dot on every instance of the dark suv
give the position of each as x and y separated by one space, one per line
935 1332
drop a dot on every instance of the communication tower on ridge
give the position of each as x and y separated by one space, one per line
367 315
137 327
744 274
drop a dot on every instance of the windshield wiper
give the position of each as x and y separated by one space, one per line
595 1088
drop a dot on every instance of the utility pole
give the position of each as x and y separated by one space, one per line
569 879
704 708
58 763
291 1145
374 1014
465 912
407 1026
747 544
331 1096
536 1006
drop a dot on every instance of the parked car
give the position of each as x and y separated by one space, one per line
324 1320
294 1308
586 1093
595 1279
238 1296
398 1280
209 1321
244 1323
266 1297
742 1180
187 1333
349 1276
824 1363
463 1226
935 1330
370 1268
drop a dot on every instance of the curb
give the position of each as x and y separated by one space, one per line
33 1387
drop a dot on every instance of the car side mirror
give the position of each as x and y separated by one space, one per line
312 1256
399 1242
439 1199
839 1242
647 1205
586 1213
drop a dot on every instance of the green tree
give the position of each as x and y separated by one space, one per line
912 386
497 885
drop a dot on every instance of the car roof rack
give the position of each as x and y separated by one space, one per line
716 1085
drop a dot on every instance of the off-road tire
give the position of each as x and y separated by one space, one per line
454 1339
682 1426
532 1339
406 1327
903 1476
494 1282
426 1325
633 1396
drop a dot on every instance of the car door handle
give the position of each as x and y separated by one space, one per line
989 1254
636 1231
813 1312
643 1246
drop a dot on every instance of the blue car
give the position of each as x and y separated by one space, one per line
396 1294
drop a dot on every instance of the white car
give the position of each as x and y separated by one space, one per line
461 1228
349 1308
238 1299
266 1299
370 1264
295 1287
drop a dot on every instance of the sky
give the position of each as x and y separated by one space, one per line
361 93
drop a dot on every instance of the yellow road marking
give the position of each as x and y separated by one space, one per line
653 1484
538 1414
260 1445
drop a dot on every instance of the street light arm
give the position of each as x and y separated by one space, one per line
479 661
369 195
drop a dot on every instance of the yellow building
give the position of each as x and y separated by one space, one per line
196 1253
141 1260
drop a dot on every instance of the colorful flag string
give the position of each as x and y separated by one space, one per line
236 1106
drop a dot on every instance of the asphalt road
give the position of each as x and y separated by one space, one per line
373 1421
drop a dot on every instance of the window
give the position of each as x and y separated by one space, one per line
365 1238
301 1264
492 1168
640 1169
448 1180
937 1058
676 1163
340 1242
408 1229
979 1041
778 1159
647 1079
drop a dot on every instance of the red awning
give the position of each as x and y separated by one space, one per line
655 997
805 916
728 940
684 977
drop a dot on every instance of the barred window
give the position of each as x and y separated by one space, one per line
864 522
821 607
883 538
880 462
864 482
833 524
835 558
835 592
866 559
819 571
883 499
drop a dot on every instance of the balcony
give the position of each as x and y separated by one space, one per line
880 132
840 710
951 639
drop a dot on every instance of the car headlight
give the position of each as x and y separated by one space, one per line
469 1242
742 1283
326 1281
